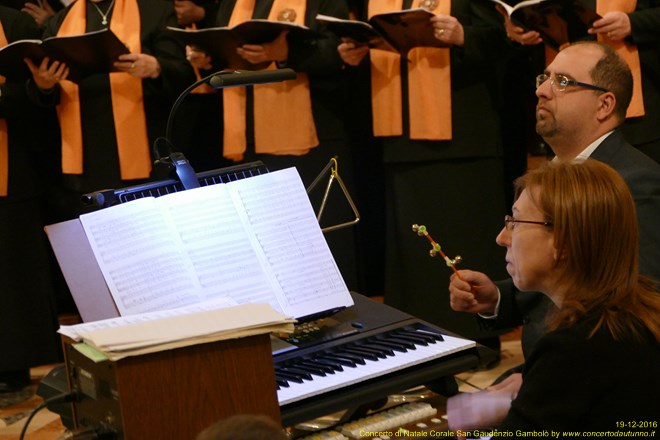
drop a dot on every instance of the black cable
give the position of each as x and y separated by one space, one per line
61 398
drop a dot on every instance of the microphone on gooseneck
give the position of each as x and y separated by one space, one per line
235 78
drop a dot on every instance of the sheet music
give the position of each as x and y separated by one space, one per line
256 240
140 257
285 227
214 237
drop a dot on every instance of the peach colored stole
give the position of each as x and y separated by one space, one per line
283 121
127 98
626 51
429 85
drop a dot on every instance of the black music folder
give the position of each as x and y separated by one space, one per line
558 21
86 54
397 31
221 42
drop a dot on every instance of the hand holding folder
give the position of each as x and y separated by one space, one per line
84 55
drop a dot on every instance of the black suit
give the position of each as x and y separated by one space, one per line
642 175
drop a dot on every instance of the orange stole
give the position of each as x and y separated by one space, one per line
4 136
283 121
127 98
626 51
429 85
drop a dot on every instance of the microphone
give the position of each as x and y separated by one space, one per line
235 78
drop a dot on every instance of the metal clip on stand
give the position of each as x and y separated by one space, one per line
334 175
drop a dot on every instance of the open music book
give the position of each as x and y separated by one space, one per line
255 240
86 54
558 21
221 42
397 31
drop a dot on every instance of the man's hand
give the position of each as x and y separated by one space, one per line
140 65
187 12
615 25
47 74
39 13
277 50
352 54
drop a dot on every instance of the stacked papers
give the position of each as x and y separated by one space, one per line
157 331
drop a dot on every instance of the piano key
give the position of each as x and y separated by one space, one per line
353 357
408 344
341 360
379 353
281 381
371 369
309 369
362 353
380 347
323 367
333 364
434 335
417 335
288 376
393 345
294 370
412 338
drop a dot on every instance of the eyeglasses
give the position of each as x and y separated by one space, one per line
509 222
560 82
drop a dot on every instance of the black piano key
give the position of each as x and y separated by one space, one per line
288 376
316 371
379 353
436 336
364 354
332 364
346 362
412 338
354 357
389 351
393 345
323 367
281 382
299 371
405 342
423 335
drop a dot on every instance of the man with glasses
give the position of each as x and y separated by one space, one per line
582 100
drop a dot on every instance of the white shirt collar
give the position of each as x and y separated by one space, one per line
587 152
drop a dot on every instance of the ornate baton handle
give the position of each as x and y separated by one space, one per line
435 248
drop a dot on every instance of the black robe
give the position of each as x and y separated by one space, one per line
321 61
455 188
28 319
100 157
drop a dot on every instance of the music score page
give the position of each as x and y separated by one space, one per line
255 240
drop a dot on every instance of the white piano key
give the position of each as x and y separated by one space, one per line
319 385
